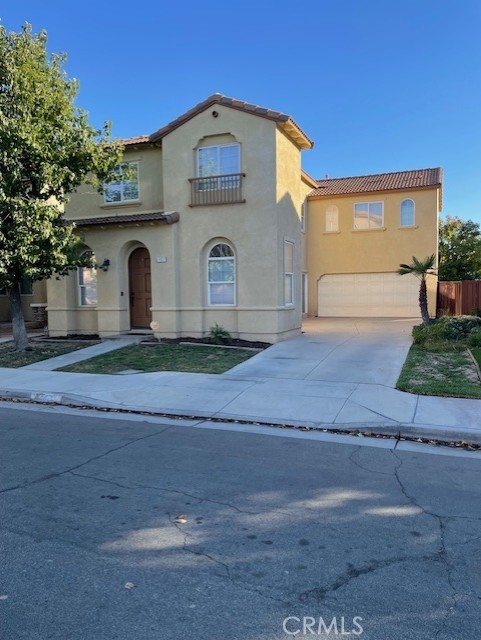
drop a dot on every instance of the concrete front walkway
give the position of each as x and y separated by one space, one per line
339 373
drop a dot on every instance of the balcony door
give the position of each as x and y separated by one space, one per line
140 289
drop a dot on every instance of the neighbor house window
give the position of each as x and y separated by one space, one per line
288 273
407 213
125 189
304 215
221 275
221 161
368 215
332 218
87 284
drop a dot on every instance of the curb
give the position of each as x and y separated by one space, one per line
426 434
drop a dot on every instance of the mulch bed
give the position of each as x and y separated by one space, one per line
235 342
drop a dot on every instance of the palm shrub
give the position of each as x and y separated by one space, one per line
420 269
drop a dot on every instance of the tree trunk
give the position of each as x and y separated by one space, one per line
19 331
423 302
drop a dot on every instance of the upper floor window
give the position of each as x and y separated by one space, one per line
368 215
407 213
304 215
332 218
219 160
87 284
221 275
288 273
126 188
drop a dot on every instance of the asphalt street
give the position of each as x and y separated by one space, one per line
132 530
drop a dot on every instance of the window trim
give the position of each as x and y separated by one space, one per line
368 203
292 303
122 182
413 223
81 285
209 258
304 215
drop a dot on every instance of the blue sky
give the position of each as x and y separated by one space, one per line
379 85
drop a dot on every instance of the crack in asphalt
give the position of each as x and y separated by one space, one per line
318 594
227 572
443 553
166 490
357 450
58 474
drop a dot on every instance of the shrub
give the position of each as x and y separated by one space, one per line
219 335
476 312
459 327
433 332
474 339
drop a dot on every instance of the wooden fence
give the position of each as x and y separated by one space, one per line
458 298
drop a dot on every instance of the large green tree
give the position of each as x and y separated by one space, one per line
459 249
47 149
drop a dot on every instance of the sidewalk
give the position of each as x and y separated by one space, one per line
278 396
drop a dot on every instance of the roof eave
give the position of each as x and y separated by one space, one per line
365 193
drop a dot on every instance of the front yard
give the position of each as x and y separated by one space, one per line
164 357
440 363
40 351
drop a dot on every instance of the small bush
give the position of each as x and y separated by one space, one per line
474 339
476 312
459 327
433 332
219 335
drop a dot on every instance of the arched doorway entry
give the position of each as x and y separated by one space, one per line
140 289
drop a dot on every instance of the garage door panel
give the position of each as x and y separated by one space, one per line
368 295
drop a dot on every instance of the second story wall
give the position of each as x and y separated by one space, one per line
88 203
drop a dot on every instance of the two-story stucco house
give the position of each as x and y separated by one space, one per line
217 223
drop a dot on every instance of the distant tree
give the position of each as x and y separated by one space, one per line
47 149
459 249
421 269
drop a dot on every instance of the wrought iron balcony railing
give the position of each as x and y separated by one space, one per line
211 190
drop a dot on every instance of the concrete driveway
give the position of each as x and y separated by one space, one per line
355 350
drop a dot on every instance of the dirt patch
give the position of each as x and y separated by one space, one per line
442 366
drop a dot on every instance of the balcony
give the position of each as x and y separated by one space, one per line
212 190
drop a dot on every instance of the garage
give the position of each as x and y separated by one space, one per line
381 295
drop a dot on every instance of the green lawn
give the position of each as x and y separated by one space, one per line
40 351
164 357
440 371
477 355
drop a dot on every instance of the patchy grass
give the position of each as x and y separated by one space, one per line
477 355
440 370
164 357
40 351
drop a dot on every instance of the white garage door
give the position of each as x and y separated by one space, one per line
382 295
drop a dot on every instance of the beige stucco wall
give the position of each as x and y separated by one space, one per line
38 295
371 251
88 203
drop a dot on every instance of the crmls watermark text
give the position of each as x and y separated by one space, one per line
307 626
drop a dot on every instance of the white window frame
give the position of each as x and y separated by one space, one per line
331 209
289 274
234 283
305 291
413 223
368 204
304 215
219 183
81 285
122 183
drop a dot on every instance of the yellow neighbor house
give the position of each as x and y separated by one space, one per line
217 223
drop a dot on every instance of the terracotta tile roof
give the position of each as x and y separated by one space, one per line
285 121
134 141
415 179
134 218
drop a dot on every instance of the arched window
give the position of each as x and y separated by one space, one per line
407 213
221 275
87 284
332 218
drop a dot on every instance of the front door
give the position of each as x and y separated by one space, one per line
140 288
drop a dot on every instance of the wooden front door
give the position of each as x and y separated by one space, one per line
140 289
